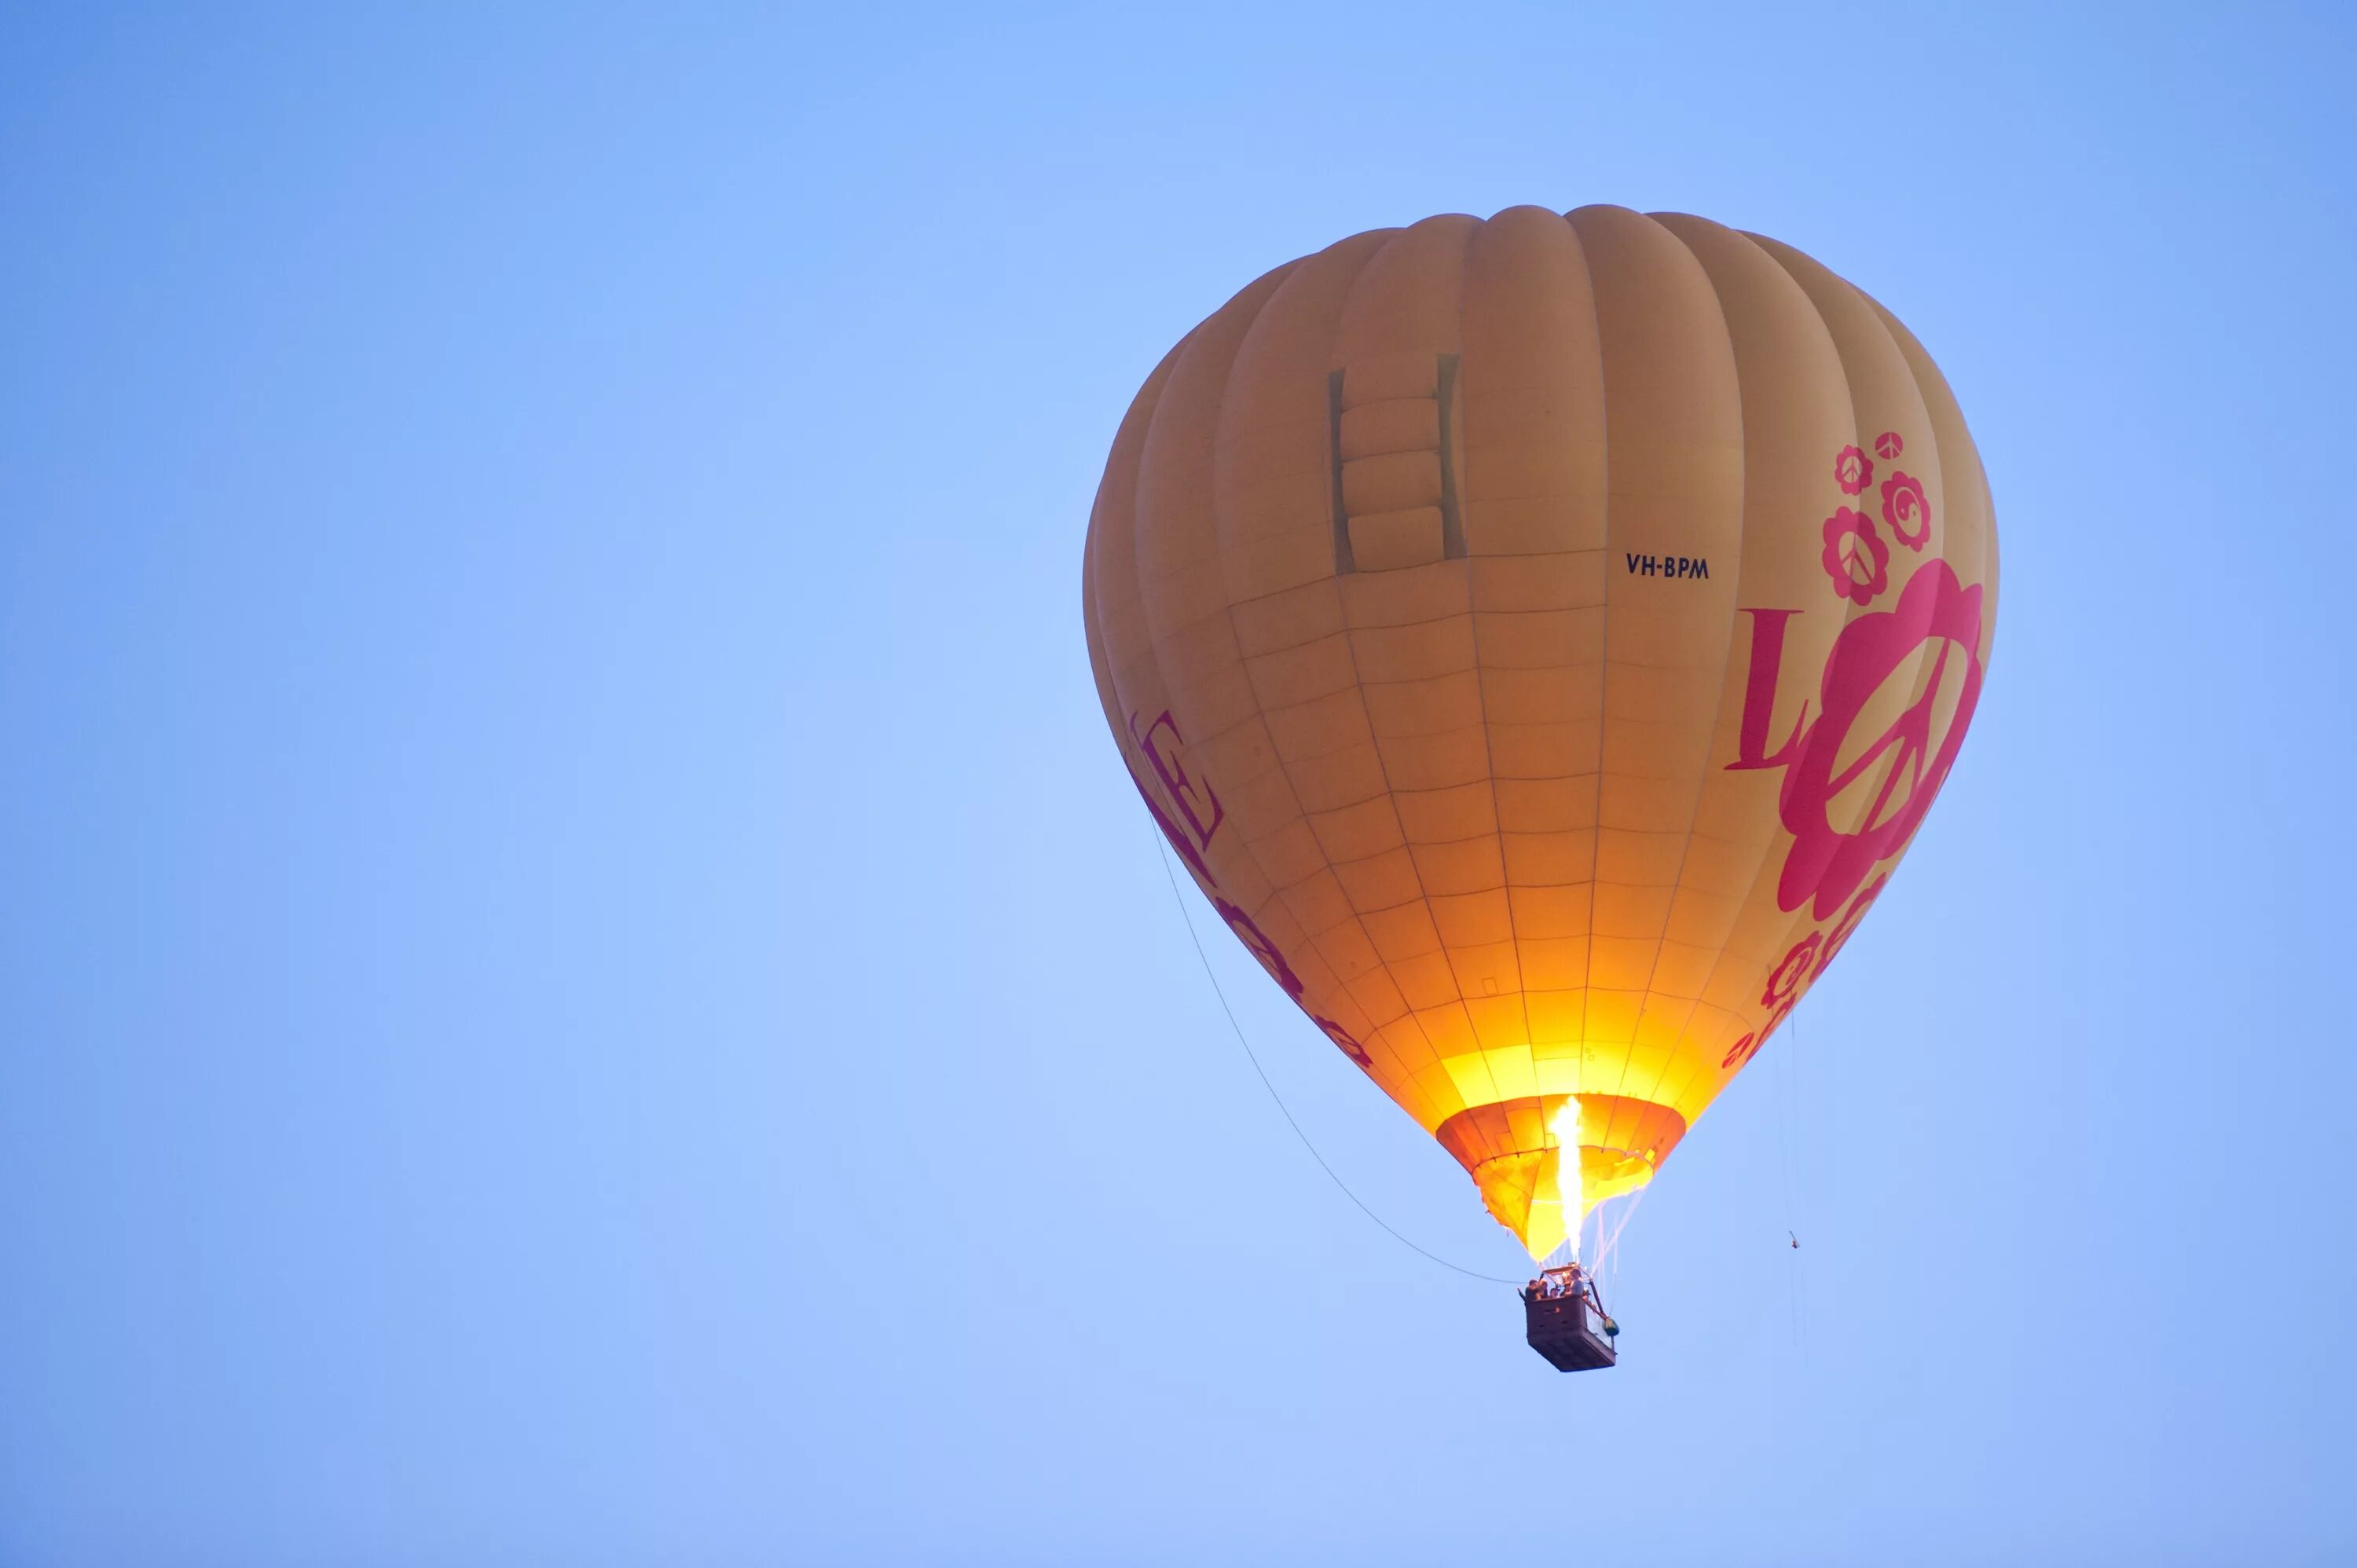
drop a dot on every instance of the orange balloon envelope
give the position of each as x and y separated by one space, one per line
1540 638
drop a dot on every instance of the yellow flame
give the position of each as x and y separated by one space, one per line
1570 1171
1545 1195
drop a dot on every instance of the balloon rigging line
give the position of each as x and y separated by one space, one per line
1796 1138
1217 990
1607 1248
1781 1093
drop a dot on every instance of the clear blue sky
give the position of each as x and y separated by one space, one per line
544 700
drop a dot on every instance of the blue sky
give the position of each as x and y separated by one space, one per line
544 703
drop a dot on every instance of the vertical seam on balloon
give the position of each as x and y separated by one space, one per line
1334 398
1100 672
1751 882
1154 644
1094 602
1448 388
1850 612
1923 664
1604 656
1760 867
1350 649
1481 697
1168 369
1926 688
1159 382
1984 568
1900 337
1091 607
1153 648
1151 394
1804 915
1718 706
1228 610
1285 768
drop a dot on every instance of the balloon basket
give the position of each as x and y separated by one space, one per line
1568 1331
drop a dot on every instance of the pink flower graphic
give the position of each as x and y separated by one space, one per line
1344 1038
1785 983
1940 618
1854 556
1853 470
1887 445
1248 932
1744 1049
1903 502
1839 936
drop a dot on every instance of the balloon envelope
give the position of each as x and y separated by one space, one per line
1540 638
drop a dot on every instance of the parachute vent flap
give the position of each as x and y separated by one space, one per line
1395 476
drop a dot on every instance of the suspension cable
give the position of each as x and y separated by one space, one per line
1171 872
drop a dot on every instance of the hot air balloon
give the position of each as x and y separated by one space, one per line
1540 638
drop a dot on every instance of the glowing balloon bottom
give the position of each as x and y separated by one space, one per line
1514 1150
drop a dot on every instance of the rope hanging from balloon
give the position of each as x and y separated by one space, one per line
1794 1188
1217 990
